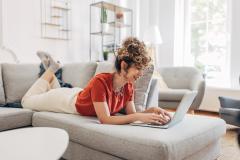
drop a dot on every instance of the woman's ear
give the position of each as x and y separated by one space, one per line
124 66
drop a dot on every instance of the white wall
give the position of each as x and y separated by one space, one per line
161 13
1 23
22 31
235 47
166 25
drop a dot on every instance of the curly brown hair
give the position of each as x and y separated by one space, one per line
133 52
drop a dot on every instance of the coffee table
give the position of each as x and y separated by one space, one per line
35 143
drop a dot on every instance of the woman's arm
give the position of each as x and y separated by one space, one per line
130 108
102 111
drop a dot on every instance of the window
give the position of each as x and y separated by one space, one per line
208 40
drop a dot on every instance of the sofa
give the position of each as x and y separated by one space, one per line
195 138
180 80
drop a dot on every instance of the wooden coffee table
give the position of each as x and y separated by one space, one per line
35 143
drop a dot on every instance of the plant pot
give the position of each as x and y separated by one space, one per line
105 27
105 55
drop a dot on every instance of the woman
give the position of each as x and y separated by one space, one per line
105 94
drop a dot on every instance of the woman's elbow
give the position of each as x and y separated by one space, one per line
104 120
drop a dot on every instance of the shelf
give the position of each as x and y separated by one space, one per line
55 38
119 24
61 8
51 24
111 45
102 34
66 30
110 7
56 16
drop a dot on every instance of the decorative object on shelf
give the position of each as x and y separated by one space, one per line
55 19
105 25
107 35
119 17
152 38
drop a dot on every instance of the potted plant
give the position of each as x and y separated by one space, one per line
105 55
105 25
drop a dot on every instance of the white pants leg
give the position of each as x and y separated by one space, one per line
41 97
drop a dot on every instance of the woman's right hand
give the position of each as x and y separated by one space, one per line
151 118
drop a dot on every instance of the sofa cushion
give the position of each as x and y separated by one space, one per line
141 86
105 67
17 79
2 94
133 142
180 77
172 94
78 74
11 118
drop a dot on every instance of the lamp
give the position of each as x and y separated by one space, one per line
152 38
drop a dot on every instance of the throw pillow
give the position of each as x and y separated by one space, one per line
105 67
142 87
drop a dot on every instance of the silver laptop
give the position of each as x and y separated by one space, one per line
179 114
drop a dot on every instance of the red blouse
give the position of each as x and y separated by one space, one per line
100 89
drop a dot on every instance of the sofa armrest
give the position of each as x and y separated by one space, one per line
200 93
152 99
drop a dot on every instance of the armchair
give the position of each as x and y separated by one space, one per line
179 81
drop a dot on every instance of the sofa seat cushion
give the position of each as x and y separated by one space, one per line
11 118
133 142
172 94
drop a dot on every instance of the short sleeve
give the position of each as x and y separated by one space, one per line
131 92
98 91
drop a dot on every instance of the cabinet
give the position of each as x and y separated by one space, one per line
109 25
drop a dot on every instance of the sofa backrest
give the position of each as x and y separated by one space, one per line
78 74
179 77
18 78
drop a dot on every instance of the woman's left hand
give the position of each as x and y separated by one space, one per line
159 111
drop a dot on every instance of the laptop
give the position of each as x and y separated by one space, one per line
178 116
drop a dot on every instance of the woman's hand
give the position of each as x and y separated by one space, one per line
160 112
151 118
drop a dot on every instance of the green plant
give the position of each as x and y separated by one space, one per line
105 55
103 15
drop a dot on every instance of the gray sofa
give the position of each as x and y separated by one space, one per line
180 80
195 138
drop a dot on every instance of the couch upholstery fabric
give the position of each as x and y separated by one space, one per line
134 142
11 118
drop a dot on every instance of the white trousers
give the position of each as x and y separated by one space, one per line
43 96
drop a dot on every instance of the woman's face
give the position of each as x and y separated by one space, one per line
133 73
